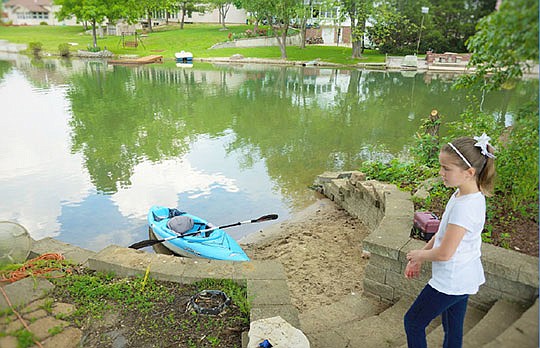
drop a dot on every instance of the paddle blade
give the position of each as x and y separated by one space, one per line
266 218
145 243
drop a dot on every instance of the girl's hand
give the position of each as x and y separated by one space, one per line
416 256
412 270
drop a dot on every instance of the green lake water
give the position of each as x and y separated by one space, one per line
87 148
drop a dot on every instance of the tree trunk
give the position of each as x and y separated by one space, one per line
357 49
150 20
223 12
183 16
94 35
303 33
282 41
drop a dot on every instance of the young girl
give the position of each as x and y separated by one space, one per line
468 165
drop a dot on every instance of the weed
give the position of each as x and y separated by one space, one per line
47 305
56 330
24 338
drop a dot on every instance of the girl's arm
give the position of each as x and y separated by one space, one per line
444 252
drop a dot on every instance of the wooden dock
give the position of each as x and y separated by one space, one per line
137 61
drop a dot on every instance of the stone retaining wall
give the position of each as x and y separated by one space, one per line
388 212
265 41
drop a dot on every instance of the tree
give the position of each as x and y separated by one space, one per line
391 31
304 13
96 11
223 6
358 12
255 8
187 7
279 14
504 44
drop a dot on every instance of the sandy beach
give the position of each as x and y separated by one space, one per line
321 250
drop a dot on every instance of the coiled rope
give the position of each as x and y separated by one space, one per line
36 267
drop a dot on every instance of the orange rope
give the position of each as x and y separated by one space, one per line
33 268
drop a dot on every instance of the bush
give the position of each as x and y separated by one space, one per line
35 48
63 50
93 49
43 23
517 161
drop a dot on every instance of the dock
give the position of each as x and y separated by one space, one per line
137 61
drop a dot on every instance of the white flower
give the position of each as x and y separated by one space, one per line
482 142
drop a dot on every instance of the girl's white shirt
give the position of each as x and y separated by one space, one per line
463 273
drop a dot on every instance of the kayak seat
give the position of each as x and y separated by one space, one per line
180 224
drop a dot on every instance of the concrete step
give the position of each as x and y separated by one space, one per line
350 308
499 317
523 333
435 331
473 316
383 330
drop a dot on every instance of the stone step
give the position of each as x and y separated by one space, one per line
473 316
350 308
435 331
523 333
383 330
499 317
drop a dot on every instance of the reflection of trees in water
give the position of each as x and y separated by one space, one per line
5 67
299 121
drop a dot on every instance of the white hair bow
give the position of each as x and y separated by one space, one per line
482 142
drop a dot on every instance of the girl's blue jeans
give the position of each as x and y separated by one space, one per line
429 305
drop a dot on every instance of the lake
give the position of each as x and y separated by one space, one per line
87 148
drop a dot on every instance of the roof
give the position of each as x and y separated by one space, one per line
32 5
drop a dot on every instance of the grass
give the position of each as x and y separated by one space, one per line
145 309
166 40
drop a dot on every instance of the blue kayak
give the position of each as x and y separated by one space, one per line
216 244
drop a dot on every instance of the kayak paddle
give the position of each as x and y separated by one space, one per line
150 242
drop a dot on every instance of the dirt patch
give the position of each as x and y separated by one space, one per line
171 321
321 251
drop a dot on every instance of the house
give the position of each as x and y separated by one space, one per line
33 12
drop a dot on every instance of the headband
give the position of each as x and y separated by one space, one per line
460 154
482 142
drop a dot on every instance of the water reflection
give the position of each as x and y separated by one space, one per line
227 143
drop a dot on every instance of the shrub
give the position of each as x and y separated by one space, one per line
43 23
63 50
35 48
93 49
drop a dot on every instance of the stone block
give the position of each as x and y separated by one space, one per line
266 269
268 292
528 271
377 274
208 269
25 291
286 311
385 292
70 338
41 327
385 262
70 252
518 290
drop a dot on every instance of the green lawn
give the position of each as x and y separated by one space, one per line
195 38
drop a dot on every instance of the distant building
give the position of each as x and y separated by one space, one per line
33 12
